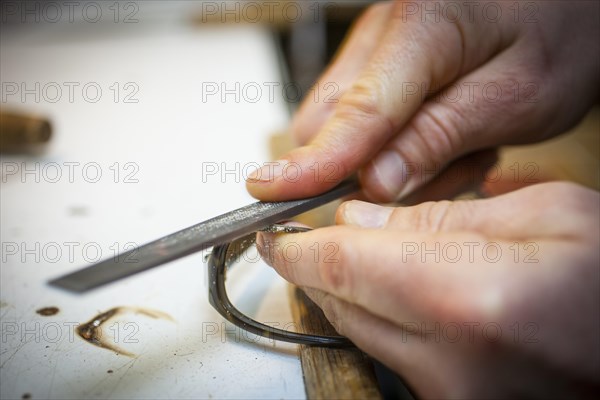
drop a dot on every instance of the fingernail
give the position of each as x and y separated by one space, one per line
366 215
269 172
388 172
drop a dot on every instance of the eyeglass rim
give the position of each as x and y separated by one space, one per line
217 297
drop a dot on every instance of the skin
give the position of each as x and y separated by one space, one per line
541 293
378 286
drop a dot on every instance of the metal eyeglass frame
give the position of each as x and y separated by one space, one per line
222 258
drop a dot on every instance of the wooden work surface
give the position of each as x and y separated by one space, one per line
330 373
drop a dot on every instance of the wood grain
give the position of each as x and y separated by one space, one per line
330 373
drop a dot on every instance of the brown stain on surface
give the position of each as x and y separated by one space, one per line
91 331
48 311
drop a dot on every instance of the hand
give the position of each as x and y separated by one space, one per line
419 90
466 299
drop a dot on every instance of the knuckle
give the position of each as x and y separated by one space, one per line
363 102
432 216
438 133
361 99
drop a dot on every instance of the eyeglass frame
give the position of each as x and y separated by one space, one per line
221 258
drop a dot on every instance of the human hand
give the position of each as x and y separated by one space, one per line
467 299
419 90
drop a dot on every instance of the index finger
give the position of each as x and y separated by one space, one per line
423 54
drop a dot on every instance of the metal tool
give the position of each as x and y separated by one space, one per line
212 232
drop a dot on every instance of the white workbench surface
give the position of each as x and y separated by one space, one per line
168 134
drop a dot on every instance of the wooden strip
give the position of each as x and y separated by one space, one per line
330 373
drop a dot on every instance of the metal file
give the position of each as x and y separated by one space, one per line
215 231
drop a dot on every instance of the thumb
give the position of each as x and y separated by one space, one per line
533 212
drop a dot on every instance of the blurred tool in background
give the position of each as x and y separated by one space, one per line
23 133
